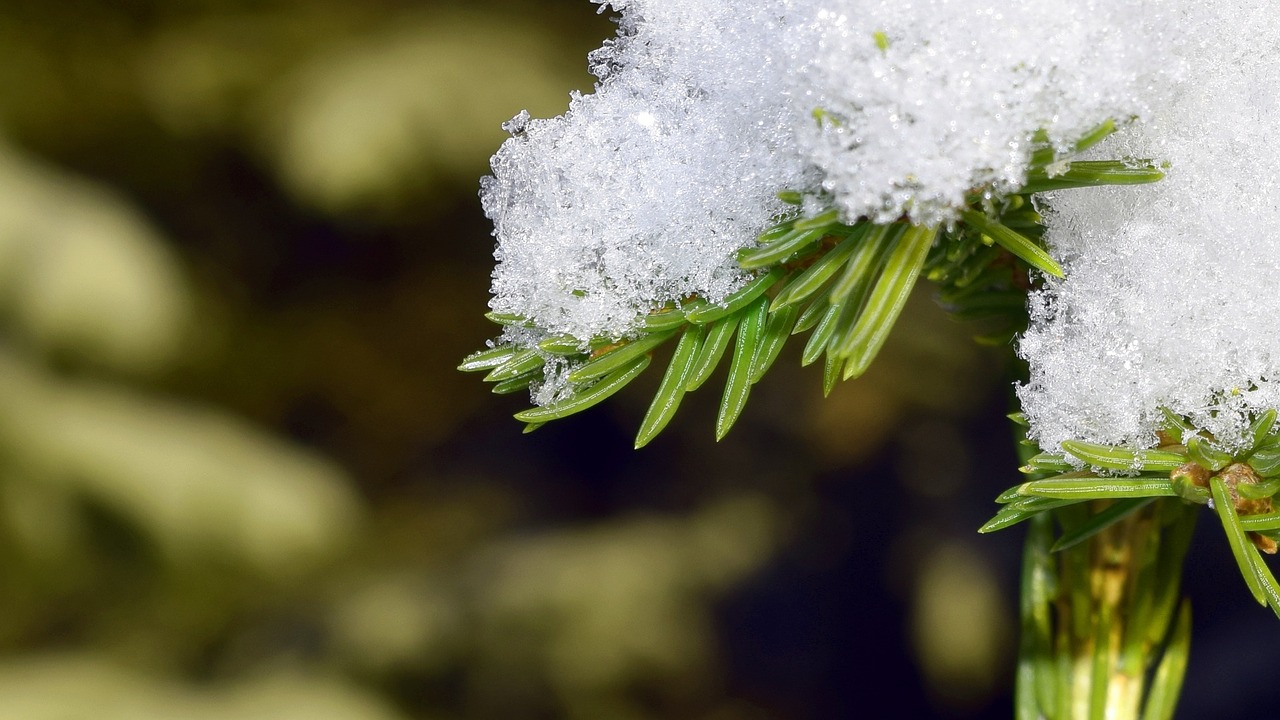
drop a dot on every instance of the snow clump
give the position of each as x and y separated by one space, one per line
1170 292
643 192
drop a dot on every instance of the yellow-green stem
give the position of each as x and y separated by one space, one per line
1113 605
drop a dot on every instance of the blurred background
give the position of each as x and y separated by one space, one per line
241 254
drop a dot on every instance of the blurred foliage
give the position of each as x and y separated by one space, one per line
55 688
357 121
240 256
85 273
960 625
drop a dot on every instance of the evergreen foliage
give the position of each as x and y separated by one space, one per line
843 284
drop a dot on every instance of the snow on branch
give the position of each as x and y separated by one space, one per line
1169 298
645 190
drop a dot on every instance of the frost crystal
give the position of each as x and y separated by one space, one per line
643 192
1169 298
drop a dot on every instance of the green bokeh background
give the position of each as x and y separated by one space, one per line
241 255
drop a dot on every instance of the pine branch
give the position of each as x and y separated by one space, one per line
1191 468
845 284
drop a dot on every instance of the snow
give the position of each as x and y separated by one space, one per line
643 192
1167 300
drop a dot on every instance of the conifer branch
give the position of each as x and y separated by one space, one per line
845 284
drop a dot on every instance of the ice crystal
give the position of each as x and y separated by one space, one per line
1169 298
644 190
